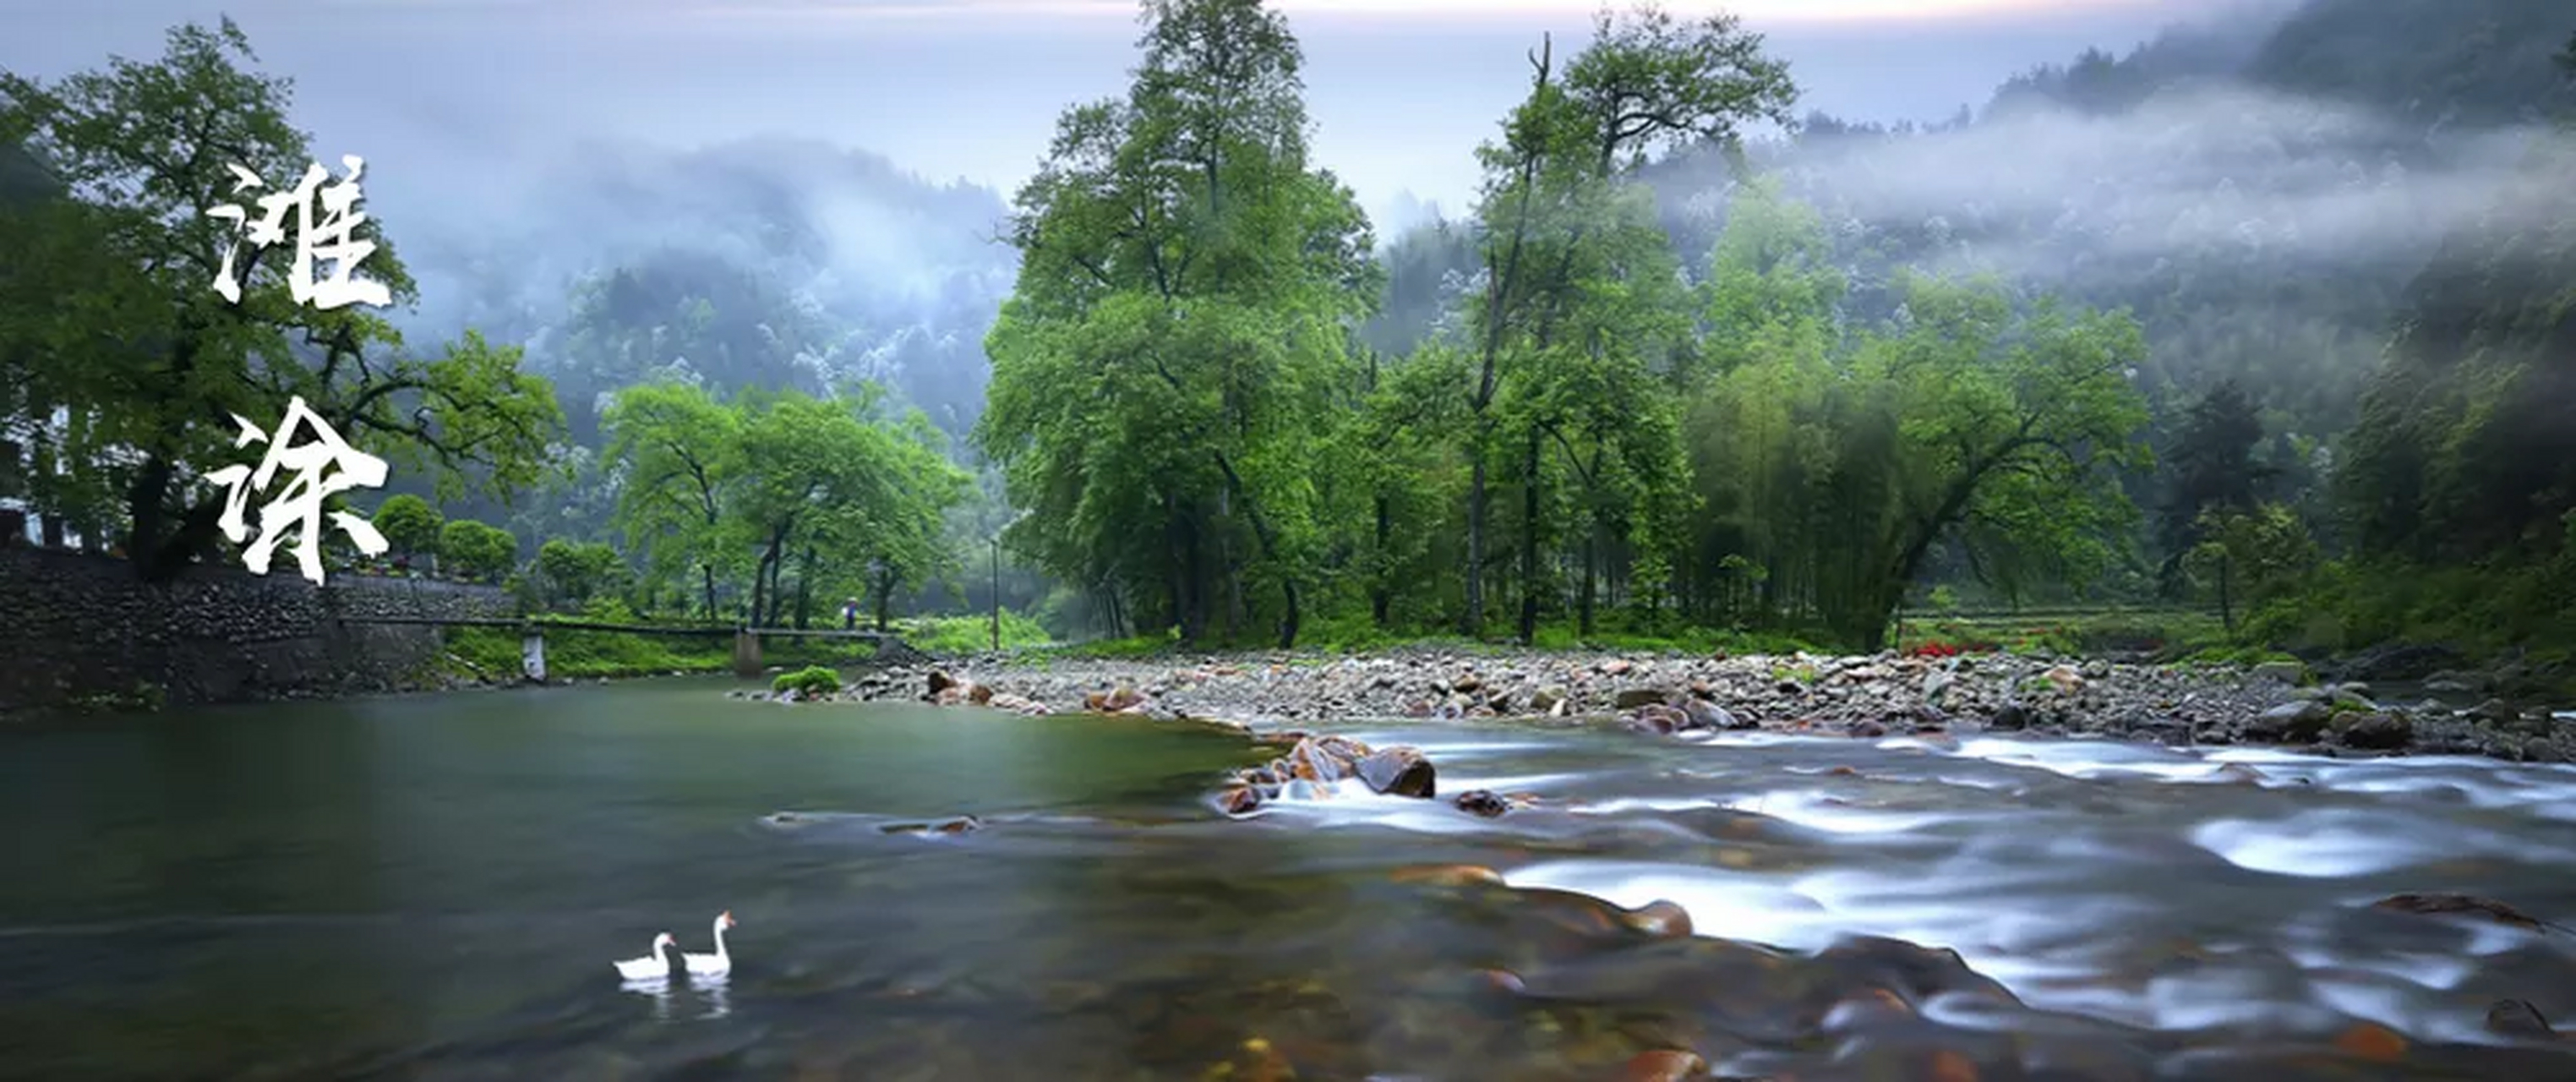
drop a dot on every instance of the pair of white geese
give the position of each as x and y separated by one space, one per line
658 965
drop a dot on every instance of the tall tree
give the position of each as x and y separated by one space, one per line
1557 229
681 449
1187 294
2212 467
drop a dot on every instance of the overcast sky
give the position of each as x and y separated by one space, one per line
1401 93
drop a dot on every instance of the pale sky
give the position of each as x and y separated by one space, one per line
1401 93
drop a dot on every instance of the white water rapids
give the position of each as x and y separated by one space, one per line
2073 872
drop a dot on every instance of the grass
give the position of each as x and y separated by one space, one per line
2165 633
1360 636
582 655
950 635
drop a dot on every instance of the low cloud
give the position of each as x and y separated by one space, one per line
2193 172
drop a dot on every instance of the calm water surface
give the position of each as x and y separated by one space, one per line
433 888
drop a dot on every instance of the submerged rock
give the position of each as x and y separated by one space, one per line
2518 1018
2461 904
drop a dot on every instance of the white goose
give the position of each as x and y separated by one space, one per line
717 964
653 968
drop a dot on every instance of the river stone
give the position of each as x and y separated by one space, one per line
2012 716
1633 698
1664 1065
2518 1018
2375 731
2282 672
2290 722
1708 715
1397 771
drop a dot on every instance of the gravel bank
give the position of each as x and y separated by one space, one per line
1865 697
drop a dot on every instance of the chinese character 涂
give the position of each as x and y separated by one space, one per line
300 502
332 236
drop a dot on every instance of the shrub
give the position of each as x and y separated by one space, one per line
813 680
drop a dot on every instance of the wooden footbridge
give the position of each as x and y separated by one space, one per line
746 640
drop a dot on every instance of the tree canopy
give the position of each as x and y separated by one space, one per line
111 315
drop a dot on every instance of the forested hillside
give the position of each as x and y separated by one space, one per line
2268 199
2266 315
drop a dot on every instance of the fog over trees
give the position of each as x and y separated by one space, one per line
2271 313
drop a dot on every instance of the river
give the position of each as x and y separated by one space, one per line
432 888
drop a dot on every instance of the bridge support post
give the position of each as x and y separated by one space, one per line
532 654
746 653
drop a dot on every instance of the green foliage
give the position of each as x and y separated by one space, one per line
478 549
2459 481
575 572
811 681
2251 557
115 317
1163 373
493 653
838 492
2162 633
409 524
2212 466
1835 463
951 635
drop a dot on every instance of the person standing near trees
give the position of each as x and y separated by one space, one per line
850 614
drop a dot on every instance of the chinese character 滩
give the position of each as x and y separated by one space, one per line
317 468
324 233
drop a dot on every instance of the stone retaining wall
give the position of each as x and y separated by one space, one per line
76 626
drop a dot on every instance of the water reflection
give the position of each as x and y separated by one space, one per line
711 994
440 878
657 989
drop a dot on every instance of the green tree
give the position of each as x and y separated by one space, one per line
159 361
2212 465
409 524
576 571
2252 555
1560 229
2004 429
1186 298
681 451
478 549
903 536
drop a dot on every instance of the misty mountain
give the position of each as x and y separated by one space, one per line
763 262
2249 188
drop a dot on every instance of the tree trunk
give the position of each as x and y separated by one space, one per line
885 598
1529 542
1591 564
708 572
764 580
2226 606
805 589
1380 597
1474 621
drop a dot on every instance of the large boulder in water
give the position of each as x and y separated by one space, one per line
1397 771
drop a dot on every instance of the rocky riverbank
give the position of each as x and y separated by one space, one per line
1863 697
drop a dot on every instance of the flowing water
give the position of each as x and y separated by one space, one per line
433 887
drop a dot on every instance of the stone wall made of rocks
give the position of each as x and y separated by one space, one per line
76 627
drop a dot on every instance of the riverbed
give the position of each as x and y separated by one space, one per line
432 888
